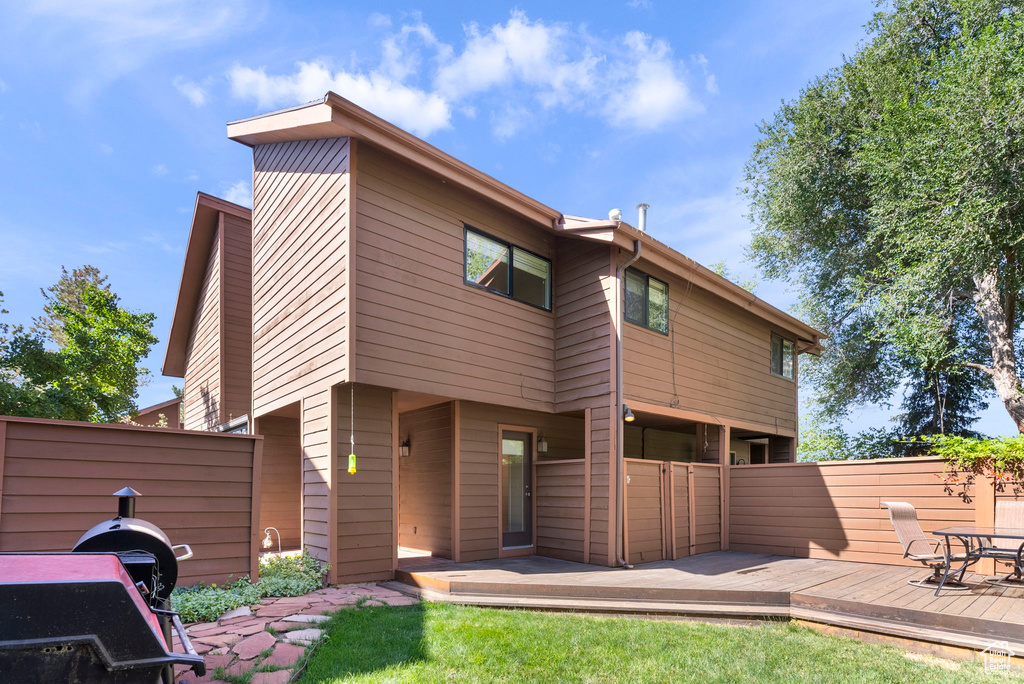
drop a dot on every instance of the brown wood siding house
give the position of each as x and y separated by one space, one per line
485 419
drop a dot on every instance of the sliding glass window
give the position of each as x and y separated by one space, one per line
487 266
646 301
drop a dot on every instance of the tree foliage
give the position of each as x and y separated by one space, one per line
67 292
890 190
94 375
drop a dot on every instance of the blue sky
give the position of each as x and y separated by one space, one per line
112 115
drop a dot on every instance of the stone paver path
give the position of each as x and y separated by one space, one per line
273 635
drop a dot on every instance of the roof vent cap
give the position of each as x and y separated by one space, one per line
615 215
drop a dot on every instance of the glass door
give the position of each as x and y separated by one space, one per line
516 501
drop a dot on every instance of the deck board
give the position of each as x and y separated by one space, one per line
863 592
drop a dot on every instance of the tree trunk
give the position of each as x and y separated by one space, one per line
1004 362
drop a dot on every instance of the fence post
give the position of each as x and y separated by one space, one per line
254 514
985 514
725 462
3 448
692 503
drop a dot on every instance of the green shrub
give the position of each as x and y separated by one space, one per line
279 576
1000 459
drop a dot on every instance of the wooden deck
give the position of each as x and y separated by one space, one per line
864 598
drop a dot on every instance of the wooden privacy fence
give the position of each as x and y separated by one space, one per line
832 509
57 478
562 517
672 509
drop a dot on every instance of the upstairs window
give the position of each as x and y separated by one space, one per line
646 301
783 356
507 270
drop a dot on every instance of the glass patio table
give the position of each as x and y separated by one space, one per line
1001 543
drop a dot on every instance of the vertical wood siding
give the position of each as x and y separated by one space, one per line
680 481
601 523
559 492
366 540
583 319
425 480
58 479
281 487
644 506
831 510
202 358
237 320
715 360
317 474
419 326
300 259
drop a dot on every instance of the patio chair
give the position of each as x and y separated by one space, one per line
917 546
1009 516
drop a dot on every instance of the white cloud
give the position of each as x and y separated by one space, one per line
106 150
193 92
159 170
378 20
651 89
412 108
710 80
239 193
640 4
3 87
516 69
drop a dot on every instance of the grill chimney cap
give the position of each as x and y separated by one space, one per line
127 491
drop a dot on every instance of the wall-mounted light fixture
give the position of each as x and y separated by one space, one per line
403 448
627 415
542 445
268 542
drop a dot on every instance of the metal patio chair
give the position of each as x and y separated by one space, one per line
917 546
1009 516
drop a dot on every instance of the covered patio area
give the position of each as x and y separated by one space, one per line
867 600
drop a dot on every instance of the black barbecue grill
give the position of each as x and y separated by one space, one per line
100 614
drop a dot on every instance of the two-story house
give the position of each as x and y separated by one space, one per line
385 299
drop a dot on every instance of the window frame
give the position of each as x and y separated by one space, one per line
647 301
782 349
512 248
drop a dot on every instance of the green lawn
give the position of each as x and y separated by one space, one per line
445 643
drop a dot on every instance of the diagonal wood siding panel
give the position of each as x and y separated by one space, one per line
237 319
300 261
203 396
831 510
58 478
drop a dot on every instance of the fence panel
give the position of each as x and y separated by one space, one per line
58 477
560 492
645 519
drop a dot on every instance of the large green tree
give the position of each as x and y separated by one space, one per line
892 192
93 374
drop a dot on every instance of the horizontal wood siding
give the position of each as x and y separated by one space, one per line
300 260
560 501
680 482
583 318
707 496
202 357
601 523
281 489
425 480
832 510
658 445
317 475
644 519
237 320
715 360
58 479
366 543
479 466
419 326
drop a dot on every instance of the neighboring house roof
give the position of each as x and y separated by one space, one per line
158 407
197 253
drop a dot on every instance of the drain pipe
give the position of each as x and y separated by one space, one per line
620 464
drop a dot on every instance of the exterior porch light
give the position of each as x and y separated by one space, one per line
627 415
542 445
403 448
268 542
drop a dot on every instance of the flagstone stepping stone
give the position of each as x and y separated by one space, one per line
303 636
306 618
279 677
248 628
235 613
219 640
284 655
215 661
274 610
250 647
402 601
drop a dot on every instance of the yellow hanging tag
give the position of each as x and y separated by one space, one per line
351 464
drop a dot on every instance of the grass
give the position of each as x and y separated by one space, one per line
446 643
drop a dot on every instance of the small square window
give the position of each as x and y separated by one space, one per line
783 357
646 301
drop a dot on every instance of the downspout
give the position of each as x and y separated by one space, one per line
620 464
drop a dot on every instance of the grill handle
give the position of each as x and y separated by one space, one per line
184 556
